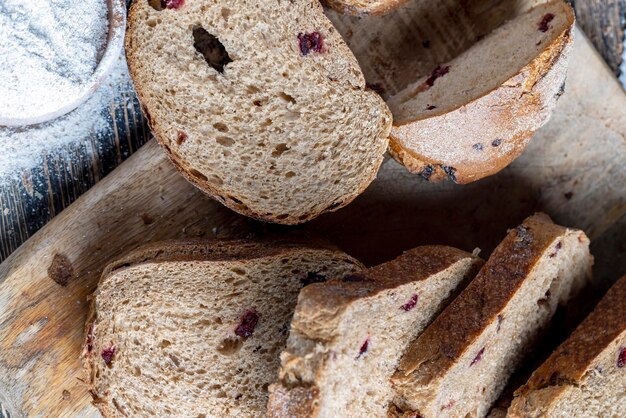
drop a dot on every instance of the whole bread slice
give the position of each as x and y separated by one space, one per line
586 375
348 335
258 103
459 365
195 328
365 7
468 83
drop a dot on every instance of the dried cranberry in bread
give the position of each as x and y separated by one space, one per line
459 365
361 7
194 328
258 103
347 335
468 85
586 375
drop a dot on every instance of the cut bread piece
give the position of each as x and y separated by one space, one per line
195 328
348 335
468 84
258 103
586 375
459 365
361 7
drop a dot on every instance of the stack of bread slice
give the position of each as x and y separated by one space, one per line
347 335
197 328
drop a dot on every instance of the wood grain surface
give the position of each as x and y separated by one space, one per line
573 170
604 21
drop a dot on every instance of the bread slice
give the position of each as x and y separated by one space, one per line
468 83
459 365
347 335
586 375
195 328
360 7
258 103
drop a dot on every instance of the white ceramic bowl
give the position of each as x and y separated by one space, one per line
115 43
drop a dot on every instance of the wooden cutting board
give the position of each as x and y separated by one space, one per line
574 169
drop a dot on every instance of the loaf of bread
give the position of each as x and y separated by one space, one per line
468 85
258 103
586 376
347 335
361 7
195 328
459 365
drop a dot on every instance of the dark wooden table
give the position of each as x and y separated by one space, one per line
29 200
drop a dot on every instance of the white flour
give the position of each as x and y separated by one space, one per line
48 51
26 147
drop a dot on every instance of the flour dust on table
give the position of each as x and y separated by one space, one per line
48 52
26 147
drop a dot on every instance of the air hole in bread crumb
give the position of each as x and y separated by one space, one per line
165 344
220 127
195 173
225 13
238 271
225 141
211 49
283 216
279 150
290 174
137 371
286 97
174 359
252 89
215 180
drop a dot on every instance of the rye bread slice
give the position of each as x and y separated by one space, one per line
586 375
460 364
258 103
364 7
468 84
348 335
194 328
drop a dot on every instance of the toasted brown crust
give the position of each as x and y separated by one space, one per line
361 7
230 201
190 250
461 322
321 303
297 402
577 354
499 109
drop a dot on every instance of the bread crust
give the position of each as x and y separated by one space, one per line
528 97
321 304
573 359
365 7
235 201
481 302
182 250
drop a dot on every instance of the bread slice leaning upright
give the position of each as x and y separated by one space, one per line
258 103
461 363
586 375
472 116
347 335
195 328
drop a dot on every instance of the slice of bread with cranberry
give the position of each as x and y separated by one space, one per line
348 335
195 328
258 103
461 363
468 84
586 375
365 7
